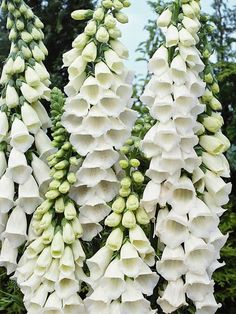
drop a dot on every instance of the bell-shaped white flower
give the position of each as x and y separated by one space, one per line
192 57
202 222
78 253
217 187
169 163
101 158
139 239
66 286
74 85
208 305
103 75
30 93
113 61
7 192
178 70
67 265
73 305
130 262
198 286
20 138
53 304
4 126
217 164
119 48
91 90
77 67
41 173
52 273
111 104
199 255
146 280
57 246
212 144
35 248
28 196
77 106
113 280
25 269
115 239
165 18
172 229
70 56
16 227
3 163
218 240
95 303
171 266
42 114
31 76
184 101
195 84
166 136
3 221
29 286
98 263
71 122
30 118
18 170
12 97
162 85
173 296
43 145
162 110
172 36
158 64
191 25
38 299
148 96
185 38
43 262
8 256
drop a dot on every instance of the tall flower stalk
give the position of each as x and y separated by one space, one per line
97 110
186 149
24 144
50 270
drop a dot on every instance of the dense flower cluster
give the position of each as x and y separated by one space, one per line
24 144
120 272
185 178
50 271
97 110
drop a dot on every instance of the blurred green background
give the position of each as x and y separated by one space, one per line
60 30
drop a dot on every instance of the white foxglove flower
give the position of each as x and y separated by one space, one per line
139 239
67 265
53 303
191 25
172 266
6 193
66 286
158 64
42 114
179 70
146 280
43 145
3 221
91 90
41 173
172 36
217 164
31 76
3 125
12 98
18 170
173 296
30 118
73 305
8 256
20 138
16 227
103 75
43 261
113 61
30 94
3 163
130 262
198 286
208 305
165 18
77 67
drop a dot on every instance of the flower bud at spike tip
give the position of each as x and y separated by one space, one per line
118 205
132 202
81 15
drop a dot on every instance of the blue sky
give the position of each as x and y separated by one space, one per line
133 32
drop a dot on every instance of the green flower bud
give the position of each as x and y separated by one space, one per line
62 165
68 233
102 35
38 56
45 221
124 149
129 220
132 202
215 88
208 96
113 220
71 178
47 235
27 37
122 18
110 21
74 161
138 177
91 28
29 14
10 23
44 207
66 146
215 104
20 25
126 3
37 35
114 32
54 185
98 15
201 130
118 205
77 228
206 54
64 187
52 194
117 5
59 205
115 239
126 182
80 15
38 23
80 41
89 53
57 246
129 142
135 163
23 8
212 124
209 78
26 52
124 192
59 174
107 4
12 35
70 211
124 164
142 216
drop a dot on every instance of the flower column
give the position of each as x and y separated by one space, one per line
23 119
120 272
50 270
97 111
